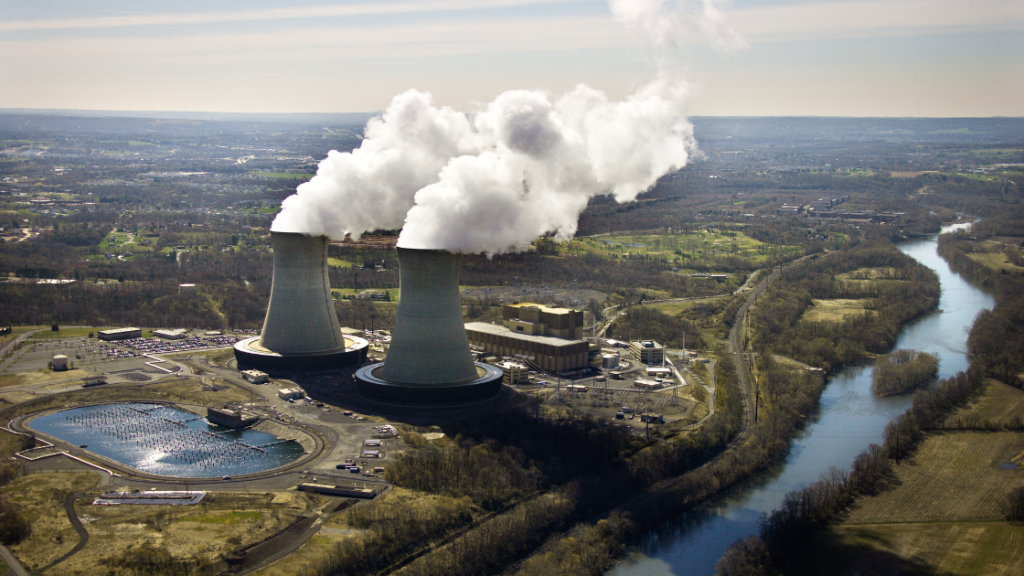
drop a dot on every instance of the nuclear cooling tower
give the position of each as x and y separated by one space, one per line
429 360
301 330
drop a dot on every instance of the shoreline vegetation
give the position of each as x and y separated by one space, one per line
805 527
903 370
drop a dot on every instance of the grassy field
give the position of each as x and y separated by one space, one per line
672 308
677 248
41 377
339 263
41 497
938 514
17 331
835 310
182 535
953 476
865 277
998 403
955 548
994 260
77 332
193 391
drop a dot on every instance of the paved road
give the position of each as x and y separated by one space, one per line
83 534
11 345
15 567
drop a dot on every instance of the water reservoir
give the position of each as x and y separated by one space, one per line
163 440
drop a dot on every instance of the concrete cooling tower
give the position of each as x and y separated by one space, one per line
429 361
301 330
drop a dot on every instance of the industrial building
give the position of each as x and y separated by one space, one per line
301 330
428 361
513 373
255 376
347 491
230 418
119 334
647 352
659 372
175 334
645 384
545 352
548 338
538 320
291 393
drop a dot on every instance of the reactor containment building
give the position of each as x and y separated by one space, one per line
429 361
301 330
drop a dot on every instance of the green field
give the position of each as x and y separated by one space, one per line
678 248
339 263
66 333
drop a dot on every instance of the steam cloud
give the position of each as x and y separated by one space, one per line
522 167
675 21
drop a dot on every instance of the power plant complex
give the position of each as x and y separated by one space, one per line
429 360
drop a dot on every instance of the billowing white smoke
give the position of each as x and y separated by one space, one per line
523 167
679 21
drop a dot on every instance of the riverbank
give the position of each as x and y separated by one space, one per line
849 418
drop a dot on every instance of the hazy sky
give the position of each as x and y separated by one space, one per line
803 57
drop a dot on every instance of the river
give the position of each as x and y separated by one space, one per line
850 418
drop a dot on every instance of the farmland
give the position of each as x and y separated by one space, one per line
939 512
836 310
954 476
679 248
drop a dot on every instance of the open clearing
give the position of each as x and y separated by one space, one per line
994 260
41 497
954 476
180 536
940 513
42 377
968 549
677 247
836 310
865 277
999 404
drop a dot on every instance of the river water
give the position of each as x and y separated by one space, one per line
851 417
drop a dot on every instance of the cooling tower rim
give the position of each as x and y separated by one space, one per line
252 346
307 234
249 357
375 388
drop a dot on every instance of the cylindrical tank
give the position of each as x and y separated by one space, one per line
429 343
301 317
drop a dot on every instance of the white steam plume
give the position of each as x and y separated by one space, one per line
373 186
523 167
676 21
